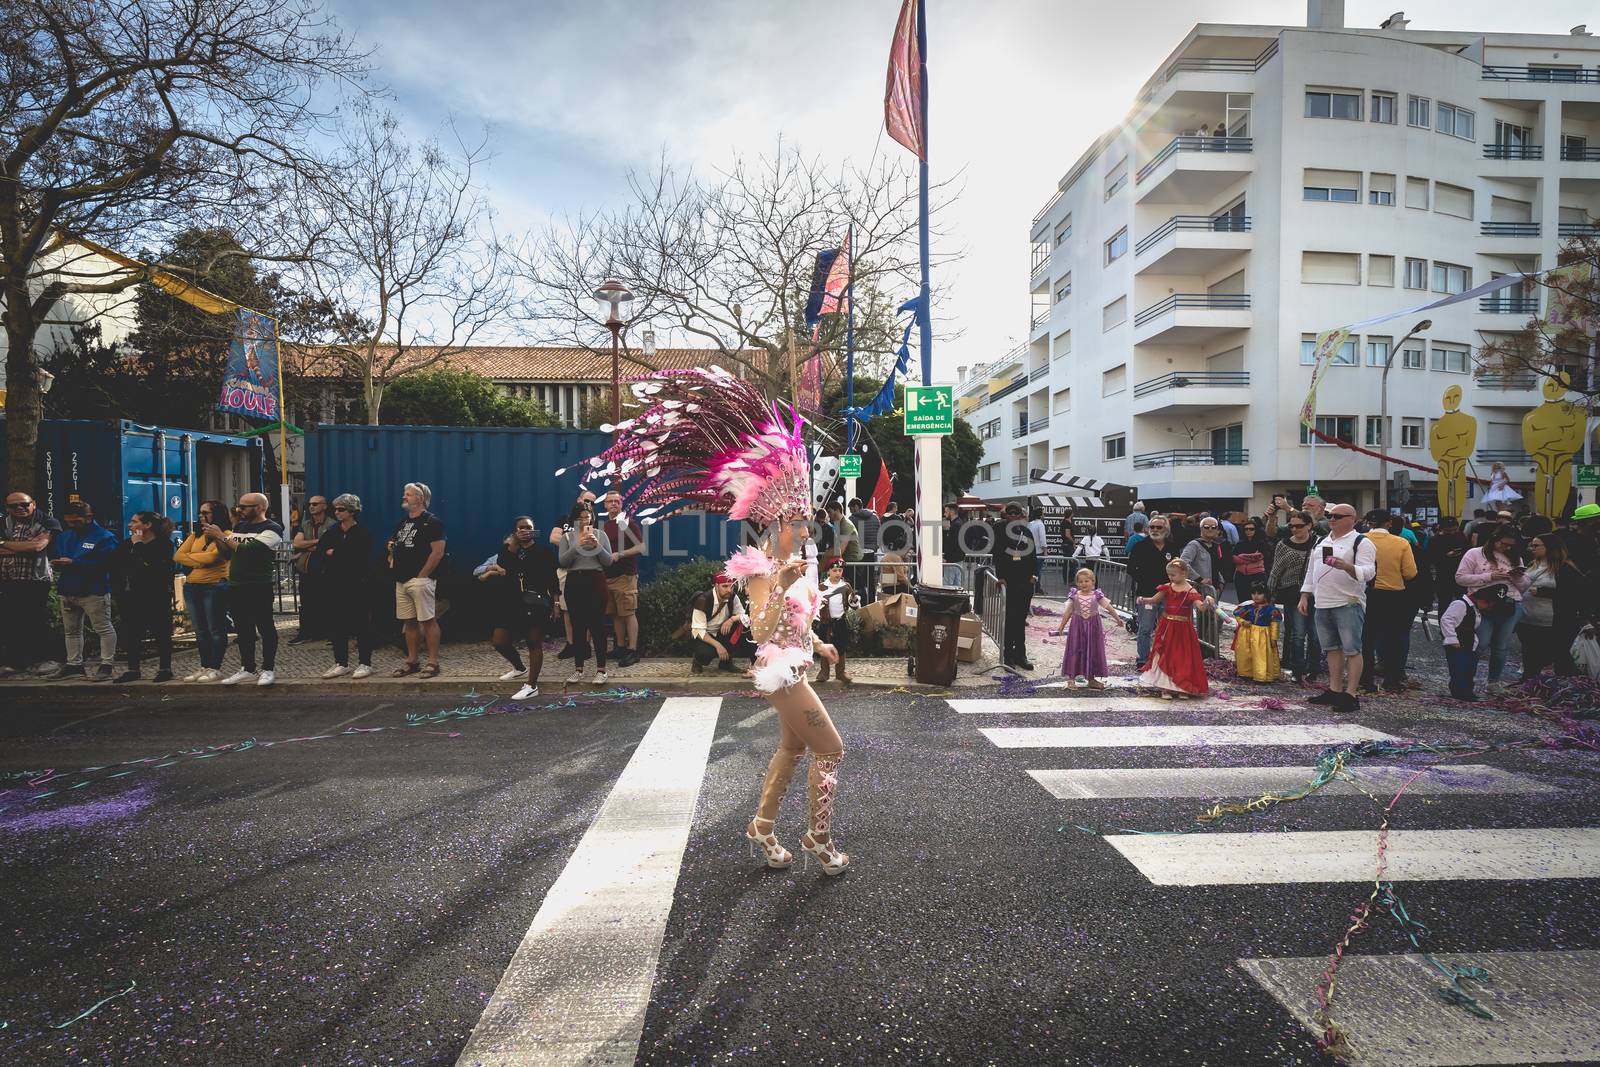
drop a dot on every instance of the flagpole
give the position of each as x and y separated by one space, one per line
283 433
850 355
930 564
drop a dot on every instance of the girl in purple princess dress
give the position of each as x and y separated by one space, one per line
1084 661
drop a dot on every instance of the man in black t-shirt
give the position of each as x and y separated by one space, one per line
415 552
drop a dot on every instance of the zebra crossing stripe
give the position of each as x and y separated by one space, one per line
1051 705
1544 1005
1347 856
1175 736
578 986
1218 782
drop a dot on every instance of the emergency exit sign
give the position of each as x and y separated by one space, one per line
930 410
849 466
1588 473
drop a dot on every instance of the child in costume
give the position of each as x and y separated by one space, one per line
838 597
1084 661
1458 627
1175 665
1255 642
711 440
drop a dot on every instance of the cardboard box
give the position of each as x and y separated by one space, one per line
872 618
899 609
969 639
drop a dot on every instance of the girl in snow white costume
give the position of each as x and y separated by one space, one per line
713 441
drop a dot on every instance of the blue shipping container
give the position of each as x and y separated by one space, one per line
482 478
123 467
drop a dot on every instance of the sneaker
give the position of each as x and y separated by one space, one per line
1327 696
577 676
628 658
194 676
238 677
338 670
363 671
1465 698
527 692
207 675
513 675
7 672
566 651
1346 704
600 678
267 678
104 672
161 676
127 676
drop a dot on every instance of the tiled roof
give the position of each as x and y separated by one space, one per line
520 363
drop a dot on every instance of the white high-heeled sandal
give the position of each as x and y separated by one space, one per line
833 861
777 856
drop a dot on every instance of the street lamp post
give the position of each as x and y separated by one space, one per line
611 295
1383 414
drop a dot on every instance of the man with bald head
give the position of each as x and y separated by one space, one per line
251 549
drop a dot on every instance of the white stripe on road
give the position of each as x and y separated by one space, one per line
90 718
759 717
1111 683
1173 736
1544 1006
358 718
1350 856
578 985
1211 782
1050 705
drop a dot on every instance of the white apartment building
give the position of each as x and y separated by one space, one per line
1269 183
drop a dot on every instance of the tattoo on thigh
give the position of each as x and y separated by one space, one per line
814 717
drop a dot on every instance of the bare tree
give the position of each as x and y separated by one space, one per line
408 268
727 263
1560 340
123 122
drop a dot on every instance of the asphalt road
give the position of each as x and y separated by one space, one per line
356 898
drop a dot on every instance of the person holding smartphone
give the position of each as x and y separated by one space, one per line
205 589
1335 586
1498 561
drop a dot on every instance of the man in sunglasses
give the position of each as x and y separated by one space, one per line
25 578
1336 585
1147 567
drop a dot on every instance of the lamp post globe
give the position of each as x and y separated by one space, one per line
611 295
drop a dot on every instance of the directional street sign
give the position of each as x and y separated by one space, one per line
849 466
930 410
1588 473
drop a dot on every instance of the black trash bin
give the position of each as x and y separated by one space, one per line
939 611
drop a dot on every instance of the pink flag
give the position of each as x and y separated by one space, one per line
835 296
902 98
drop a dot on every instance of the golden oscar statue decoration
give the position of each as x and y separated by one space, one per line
1551 433
1451 441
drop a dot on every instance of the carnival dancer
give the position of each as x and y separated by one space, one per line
711 440
1255 642
1084 660
1175 665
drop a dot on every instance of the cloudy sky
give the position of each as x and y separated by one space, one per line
576 93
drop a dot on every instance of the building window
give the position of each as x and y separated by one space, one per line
1063 231
989 429
1410 433
1451 278
1378 350
1380 270
1456 121
1380 190
1061 402
1114 380
1450 358
1344 356
1383 108
1117 247
1114 314
1418 112
1064 287
1417 193
1511 135
1062 345
1332 104
1374 430
1061 457
1411 358
1341 427
1116 178
1330 268
1452 200
1332 186
1114 447
1416 273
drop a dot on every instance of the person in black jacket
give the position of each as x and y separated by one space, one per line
143 569
1016 565
342 558
1147 569
524 576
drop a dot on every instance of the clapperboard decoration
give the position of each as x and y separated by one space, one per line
824 477
1094 492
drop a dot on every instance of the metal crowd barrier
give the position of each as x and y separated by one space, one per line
989 600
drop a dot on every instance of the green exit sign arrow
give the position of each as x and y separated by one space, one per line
1588 473
930 410
849 466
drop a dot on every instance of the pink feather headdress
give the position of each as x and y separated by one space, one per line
708 439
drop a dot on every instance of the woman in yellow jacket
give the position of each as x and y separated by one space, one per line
205 590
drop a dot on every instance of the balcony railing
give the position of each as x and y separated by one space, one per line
1219 224
1019 479
1578 229
1215 64
1206 301
1511 457
1048 204
1008 388
1038 319
1541 74
1509 305
1194 143
1507 381
1513 151
1509 229
1038 372
1185 379
1028 426
1577 153
1192 457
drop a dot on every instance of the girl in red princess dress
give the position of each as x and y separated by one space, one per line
1175 665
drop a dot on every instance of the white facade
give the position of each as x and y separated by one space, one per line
1358 172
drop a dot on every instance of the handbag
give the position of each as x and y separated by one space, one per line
534 602
1586 651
